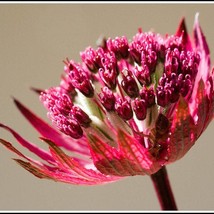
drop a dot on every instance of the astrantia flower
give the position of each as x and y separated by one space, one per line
128 108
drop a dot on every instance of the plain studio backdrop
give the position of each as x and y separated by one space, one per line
34 40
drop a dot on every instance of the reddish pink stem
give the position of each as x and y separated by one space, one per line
163 189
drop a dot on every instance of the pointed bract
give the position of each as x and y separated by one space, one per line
182 32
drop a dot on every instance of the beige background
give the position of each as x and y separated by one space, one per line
34 39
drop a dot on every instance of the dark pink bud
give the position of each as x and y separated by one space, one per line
80 116
173 42
148 95
56 101
139 107
107 98
68 126
123 108
144 48
143 75
128 84
119 46
189 63
108 73
135 51
149 58
109 77
80 80
109 61
185 85
92 58
163 96
172 62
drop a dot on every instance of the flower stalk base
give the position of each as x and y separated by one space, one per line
163 189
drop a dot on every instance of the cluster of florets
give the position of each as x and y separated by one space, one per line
127 78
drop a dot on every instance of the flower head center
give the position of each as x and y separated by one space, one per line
137 80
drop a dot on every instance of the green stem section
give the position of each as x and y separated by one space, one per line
163 189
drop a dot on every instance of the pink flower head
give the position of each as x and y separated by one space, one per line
129 108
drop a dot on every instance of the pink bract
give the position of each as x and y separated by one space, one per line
129 108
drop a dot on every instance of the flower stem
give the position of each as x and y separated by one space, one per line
163 189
